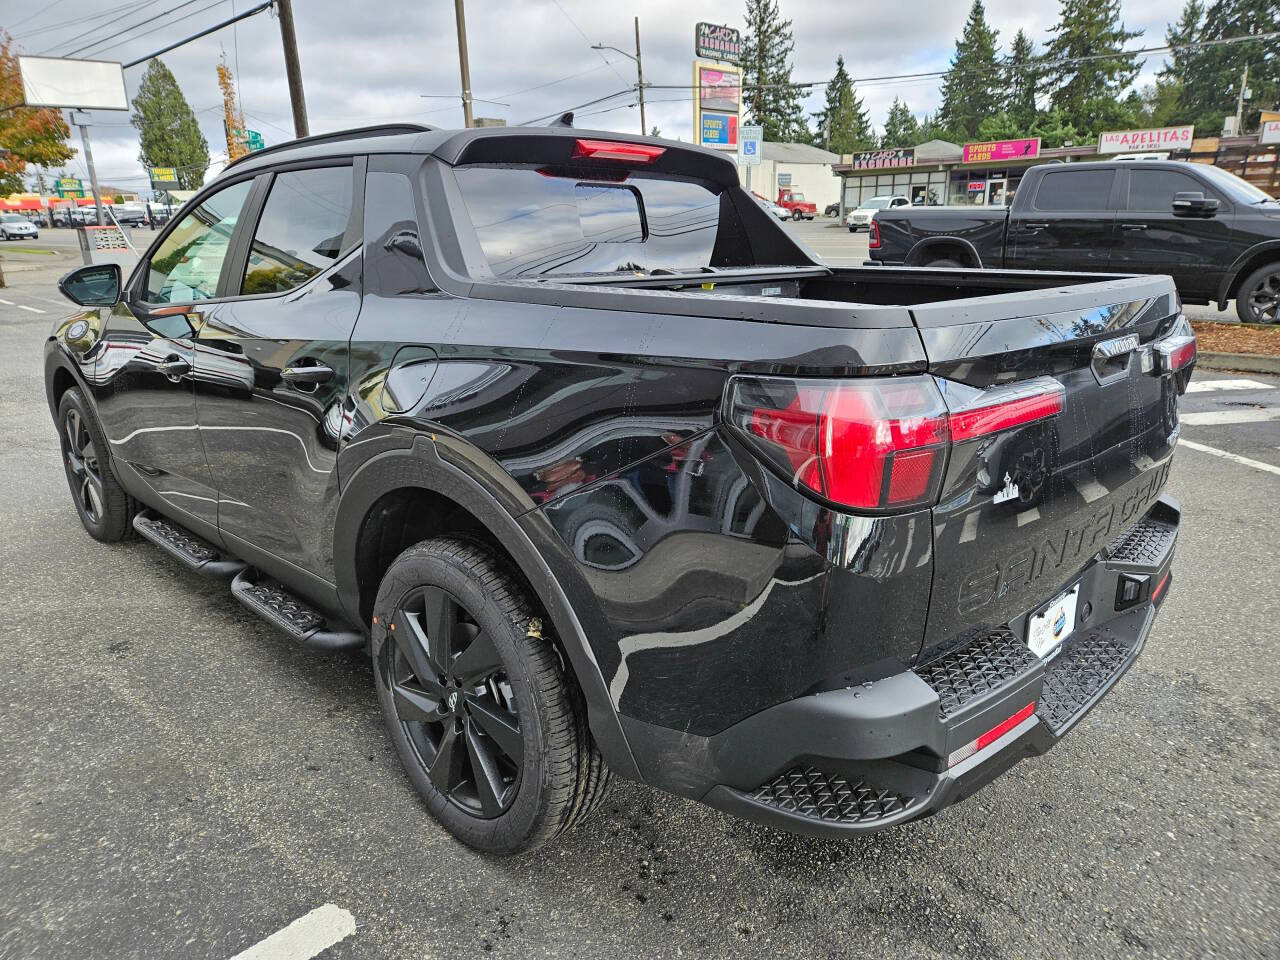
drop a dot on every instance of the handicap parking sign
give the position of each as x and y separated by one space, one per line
749 148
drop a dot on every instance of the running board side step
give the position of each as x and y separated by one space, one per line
184 546
287 613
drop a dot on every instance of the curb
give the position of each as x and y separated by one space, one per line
1251 362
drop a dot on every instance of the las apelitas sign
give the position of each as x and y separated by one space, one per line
1152 138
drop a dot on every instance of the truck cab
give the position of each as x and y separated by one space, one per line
794 201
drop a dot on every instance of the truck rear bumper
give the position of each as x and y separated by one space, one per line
860 759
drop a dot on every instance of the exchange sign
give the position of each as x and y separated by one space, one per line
717 42
883 159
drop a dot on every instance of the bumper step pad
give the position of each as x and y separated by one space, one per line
1145 544
984 664
293 616
829 797
185 547
1076 677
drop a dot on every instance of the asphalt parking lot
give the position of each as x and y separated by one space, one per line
177 780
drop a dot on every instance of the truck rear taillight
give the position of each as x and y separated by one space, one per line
876 443
616 150
1174 353
873 235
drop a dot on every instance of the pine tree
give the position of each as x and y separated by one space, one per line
900 126
769 98
29 135
167 126
1211 75
1022 79
969 90
1088 92
844 126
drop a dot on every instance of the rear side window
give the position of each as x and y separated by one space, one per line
393 259
1154 189
1070 190
301 229
186 266
533 222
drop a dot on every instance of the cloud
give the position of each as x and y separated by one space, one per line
367 63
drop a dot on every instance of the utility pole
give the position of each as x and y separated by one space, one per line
1244 79
461 17
81 119
644 130
292 68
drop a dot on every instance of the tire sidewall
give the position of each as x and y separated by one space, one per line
114 523
1243 310
422 566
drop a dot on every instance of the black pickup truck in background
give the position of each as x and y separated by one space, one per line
1215 234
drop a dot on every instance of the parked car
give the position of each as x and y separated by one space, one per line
796 204
611 476
831 210
1215 234
860 216
14 226
129 213
782 213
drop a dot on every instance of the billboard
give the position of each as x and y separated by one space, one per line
717 42
997 151
73 84
883 159
717 101
1152 138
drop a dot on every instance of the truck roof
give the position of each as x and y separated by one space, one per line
484 145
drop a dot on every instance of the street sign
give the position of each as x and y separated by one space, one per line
251 139
750 141
164 178
717 42
784 179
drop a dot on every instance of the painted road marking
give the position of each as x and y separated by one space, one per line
1205 386
309 935
7 303
1219 418
23 306
1234 457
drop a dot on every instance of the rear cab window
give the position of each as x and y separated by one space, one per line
545 222
1066 191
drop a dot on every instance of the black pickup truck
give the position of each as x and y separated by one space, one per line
1215 234
610 475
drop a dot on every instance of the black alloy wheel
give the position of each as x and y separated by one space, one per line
84 472
1258 300
455 702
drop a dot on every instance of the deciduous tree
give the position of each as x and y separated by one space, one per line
30 135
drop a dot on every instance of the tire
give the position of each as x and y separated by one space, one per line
853 229
796 215
1258 297
945 262
105 510
508 707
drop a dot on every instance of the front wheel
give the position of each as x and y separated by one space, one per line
489 726
104 508
853 229
796 214
1258 299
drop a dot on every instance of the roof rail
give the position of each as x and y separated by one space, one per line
355 133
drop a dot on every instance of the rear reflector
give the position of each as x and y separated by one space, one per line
873 235
991 736
613 150
1155 594
1174 353
1001 408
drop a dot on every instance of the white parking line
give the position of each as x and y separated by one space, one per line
23 306
1220 418
1234 457
7 303
1206 386
309 935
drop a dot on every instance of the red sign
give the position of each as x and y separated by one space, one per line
976 185
997 151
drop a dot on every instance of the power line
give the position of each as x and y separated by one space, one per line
589 103
97 45
124 10
588 40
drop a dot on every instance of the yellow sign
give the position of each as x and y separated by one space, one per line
164 175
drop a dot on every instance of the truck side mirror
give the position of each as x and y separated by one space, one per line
1193 203
97 285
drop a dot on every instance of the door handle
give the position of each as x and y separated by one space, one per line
174 367
1035 226
307 374
1133 226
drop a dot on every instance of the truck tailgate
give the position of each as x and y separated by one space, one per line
1023 511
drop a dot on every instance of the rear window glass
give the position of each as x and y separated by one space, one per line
1075 190
533 222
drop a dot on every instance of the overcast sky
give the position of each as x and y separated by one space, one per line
365 61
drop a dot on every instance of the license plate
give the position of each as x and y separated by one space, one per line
1051 626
